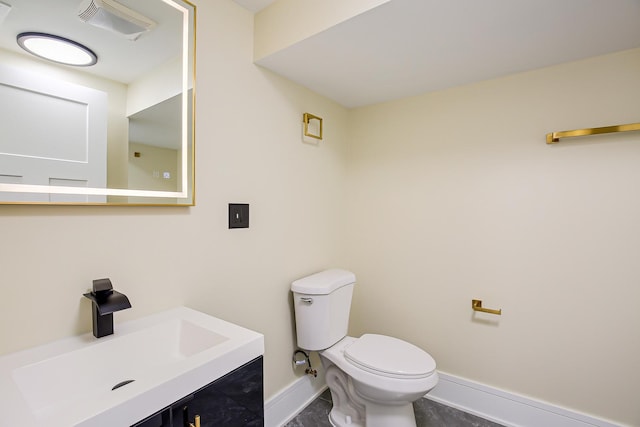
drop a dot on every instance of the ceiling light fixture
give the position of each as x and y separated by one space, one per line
57 49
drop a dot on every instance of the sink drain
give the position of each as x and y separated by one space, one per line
121 384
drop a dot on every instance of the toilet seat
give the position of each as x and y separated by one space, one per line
389 357
375 385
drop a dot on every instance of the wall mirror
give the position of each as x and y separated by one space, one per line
120 131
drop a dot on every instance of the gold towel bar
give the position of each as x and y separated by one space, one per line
554 137
476 304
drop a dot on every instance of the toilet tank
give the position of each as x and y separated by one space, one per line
322 303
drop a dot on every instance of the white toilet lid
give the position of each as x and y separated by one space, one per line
390 357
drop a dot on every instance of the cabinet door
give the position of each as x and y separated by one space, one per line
160 419
66 147
235 400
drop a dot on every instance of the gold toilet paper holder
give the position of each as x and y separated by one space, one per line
476 304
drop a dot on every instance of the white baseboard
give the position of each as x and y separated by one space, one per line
286 404
490 403
506 408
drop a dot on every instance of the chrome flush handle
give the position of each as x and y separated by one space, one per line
307 300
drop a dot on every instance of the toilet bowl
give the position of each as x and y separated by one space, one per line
374 379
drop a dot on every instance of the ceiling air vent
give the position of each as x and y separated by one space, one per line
4 10
115 17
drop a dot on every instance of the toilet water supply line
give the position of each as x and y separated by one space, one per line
306 361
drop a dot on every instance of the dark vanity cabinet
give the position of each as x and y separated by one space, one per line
234 400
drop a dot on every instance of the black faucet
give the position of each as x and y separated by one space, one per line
106 301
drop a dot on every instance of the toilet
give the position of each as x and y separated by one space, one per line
374 379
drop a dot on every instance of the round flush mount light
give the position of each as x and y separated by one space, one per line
57 49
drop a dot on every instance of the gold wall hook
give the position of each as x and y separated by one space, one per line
306 118
476 304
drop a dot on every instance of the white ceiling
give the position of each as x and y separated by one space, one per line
254 5
407 47
118 58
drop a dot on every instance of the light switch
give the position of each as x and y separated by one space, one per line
238 215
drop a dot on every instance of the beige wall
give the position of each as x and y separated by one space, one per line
162 83
296 20
249 150
455 195
147 171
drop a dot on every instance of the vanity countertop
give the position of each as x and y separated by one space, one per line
168 355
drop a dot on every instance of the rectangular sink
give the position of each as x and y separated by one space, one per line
146 365
95 369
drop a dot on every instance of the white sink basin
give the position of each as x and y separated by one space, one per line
167 355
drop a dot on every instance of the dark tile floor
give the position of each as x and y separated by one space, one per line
428 414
